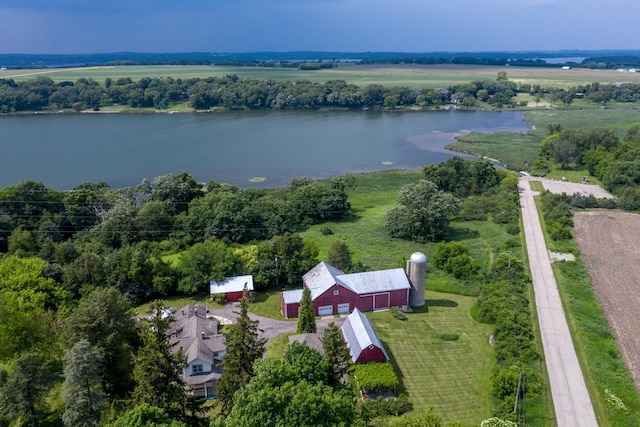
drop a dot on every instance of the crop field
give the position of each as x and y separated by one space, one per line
422 76
608 241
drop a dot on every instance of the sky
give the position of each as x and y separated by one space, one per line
100 26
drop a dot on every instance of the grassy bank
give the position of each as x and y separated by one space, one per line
600 359
518 151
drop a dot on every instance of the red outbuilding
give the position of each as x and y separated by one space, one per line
334 292
362 340
232 287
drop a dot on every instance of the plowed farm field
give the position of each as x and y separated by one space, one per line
609 242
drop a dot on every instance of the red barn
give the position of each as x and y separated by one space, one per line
362 340
334 292
232 287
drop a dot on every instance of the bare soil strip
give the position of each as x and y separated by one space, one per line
608 241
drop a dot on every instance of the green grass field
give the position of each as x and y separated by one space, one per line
423 76
451 376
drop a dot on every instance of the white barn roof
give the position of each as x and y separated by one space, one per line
323 276
376 281
231 284
359 334
291 297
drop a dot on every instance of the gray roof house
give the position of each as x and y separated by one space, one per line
203 348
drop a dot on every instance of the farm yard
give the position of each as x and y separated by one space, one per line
608 242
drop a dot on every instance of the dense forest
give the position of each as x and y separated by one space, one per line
231 92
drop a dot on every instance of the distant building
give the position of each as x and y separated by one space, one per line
566 67
202 346
231 287
362 340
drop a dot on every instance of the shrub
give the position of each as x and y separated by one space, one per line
219 299
513 229
326 231
445 251
398 314
449 337
375 376
381 407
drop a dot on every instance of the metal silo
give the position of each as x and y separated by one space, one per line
417 273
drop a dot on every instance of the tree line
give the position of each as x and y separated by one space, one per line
231 92
610 158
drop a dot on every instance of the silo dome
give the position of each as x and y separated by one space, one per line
418 258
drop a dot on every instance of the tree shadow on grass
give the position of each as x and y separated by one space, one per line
440 303
461 233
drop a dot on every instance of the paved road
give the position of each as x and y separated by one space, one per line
570 396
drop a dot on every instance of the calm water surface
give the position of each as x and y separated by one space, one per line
65 150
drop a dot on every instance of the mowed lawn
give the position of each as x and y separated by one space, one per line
451 376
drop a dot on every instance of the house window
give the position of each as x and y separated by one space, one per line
336 292
370 346
197 369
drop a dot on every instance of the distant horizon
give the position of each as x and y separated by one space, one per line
425 52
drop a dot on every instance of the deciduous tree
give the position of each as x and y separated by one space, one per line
340 256
203 262
424 215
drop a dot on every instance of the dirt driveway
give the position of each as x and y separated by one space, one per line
559 187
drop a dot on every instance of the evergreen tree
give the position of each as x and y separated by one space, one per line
243 349
23 390
336 353
104 319
306 318
81 389
158 367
